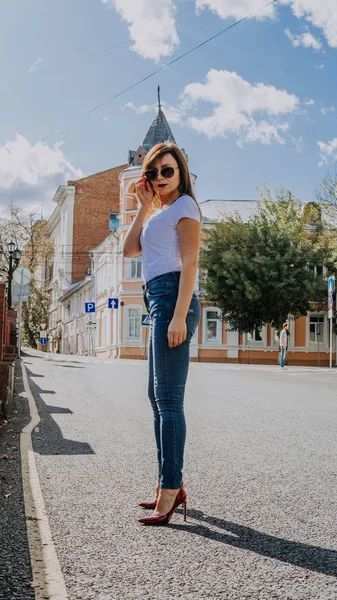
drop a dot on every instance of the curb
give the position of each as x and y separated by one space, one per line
48 581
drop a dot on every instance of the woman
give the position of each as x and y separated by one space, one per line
166 231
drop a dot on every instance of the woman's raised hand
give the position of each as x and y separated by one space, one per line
144 192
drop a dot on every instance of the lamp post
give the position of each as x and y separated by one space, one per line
14 259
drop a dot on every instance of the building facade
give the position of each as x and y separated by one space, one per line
99 273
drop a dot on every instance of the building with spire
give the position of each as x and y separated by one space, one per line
88 226
158 132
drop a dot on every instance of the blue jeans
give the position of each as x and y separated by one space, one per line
283 351
168 368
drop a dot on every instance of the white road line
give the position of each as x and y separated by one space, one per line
48 579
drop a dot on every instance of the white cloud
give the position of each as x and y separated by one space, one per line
319 67
320 13
151 25
327 110
30 174
174 114
237 9
250 111
142 109
35 65
307 40
299 144
309 102
328 152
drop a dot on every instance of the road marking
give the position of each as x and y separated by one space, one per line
48 581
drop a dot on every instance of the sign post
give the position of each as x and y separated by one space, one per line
90 307
22 276
145 322
113 303
331 289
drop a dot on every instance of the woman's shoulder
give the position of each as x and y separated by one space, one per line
185 198
186 201
186 206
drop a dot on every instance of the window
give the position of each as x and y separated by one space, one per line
212 326
113 221
316 325
255 335
134 323
136 268
320 271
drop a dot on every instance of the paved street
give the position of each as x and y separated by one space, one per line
260 473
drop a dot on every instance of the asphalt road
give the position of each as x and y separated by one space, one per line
260 473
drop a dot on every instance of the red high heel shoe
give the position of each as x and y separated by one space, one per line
164 519
151 505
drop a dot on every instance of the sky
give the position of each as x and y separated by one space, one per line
255 105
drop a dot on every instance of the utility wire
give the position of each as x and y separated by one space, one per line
172 62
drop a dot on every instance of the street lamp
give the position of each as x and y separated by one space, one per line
14 259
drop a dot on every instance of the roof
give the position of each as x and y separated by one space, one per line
72 288
214 210
159 132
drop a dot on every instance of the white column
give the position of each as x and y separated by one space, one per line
232 340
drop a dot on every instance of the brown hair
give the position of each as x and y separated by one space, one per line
285 325
159 150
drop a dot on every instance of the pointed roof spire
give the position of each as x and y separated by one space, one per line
159 131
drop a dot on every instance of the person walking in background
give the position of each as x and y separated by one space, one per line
166 231
283 343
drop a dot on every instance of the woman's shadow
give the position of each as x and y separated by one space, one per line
313 558
47 437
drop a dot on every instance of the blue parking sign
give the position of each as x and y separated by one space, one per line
43 341
112 302
90 307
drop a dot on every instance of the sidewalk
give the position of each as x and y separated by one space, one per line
15 569
74 358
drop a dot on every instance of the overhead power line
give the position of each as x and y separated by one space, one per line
172 62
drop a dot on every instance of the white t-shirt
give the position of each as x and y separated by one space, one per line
159 237
283 338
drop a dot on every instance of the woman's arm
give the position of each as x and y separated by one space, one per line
144 193
131 245
189 243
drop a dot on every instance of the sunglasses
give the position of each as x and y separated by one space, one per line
166 172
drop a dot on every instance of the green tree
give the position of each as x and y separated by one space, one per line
30 234
262 271
326 195
37 257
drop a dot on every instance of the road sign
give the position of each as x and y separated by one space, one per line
90 307
43 334
22 275
330 302
146 321
16 298
112 302
43 325
43 341
331 284
26 290
91 325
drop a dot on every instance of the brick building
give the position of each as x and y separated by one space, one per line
81 220
7 353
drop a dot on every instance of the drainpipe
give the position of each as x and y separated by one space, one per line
117 317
